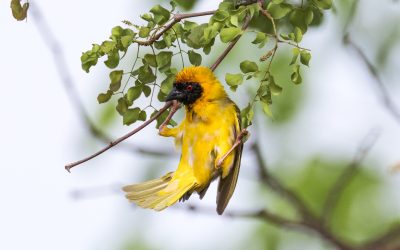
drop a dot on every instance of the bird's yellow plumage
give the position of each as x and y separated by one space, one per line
207 133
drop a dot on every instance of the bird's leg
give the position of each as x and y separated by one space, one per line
238 141
163 130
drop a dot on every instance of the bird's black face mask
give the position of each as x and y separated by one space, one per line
185 92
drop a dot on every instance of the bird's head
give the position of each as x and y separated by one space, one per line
196 84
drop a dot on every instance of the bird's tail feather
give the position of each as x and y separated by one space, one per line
161 193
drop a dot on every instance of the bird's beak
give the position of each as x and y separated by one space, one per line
175 95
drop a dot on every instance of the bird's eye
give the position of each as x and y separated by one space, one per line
189 88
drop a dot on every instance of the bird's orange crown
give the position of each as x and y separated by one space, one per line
212 88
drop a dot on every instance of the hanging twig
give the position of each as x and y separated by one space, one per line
346 176
231 45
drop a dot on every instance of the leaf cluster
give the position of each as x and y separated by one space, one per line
152 72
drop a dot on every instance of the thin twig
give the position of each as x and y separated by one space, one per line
231 45
385 96
113 143
346 176
279 221
176 19
388 238
263 214
278 187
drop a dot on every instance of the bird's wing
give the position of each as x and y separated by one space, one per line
226 186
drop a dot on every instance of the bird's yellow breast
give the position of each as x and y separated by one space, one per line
207 132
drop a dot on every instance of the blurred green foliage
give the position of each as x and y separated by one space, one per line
358 215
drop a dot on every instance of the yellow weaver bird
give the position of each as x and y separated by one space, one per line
210 137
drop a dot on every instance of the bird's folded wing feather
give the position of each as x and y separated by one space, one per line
226 186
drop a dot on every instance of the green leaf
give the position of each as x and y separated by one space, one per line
161 15
296 52
266 106
246 116
131 116
194 58
300 18
142 116
279 11
164 59
323 4
161 96
19 11
305 57
104 97
112 60
144 32
117 31
107 46
234 80
260 38
220 15
146 90
133 94
284 36
207 49
228 34
166 84
173 5
126 41
298 35
228 6
160 44
150 60
253 9
296 77
188 25
210 32
89 59
234 20
115 77
196 36
275 88
309 16
168 38
122 106
146 74
147 17
248 66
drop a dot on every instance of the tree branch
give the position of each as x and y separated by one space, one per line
308 219
273 183
176 19
280 222
113 143
231 45
385 240
346 176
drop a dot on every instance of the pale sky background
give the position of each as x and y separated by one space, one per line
41 132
